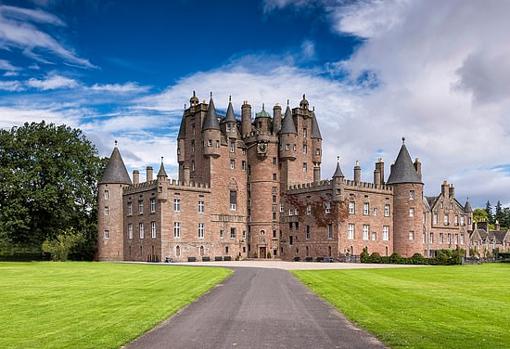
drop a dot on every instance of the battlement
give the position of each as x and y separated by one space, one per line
367 185
144 186
310 186
172 184
327 184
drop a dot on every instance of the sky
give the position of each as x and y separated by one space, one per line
434 72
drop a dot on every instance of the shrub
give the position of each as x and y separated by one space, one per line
395 258
364 256
417 258
375 258
60 247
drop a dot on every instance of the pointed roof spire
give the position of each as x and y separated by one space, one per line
288 123
182 131
230 111
162 172
467 206
263 113
115 171
316 132
338 171
403 170
211 119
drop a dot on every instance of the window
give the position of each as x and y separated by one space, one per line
200 230
244 234
153 205
305 149
291 240
446 219
330 231
141 230
130 209
411 212
366 231
106 194
456 220
462 221
106 234
281 208
130 231
469 221
434 220
424 238
305 133
411 235
431 238
177 230
140 207
441 237
274 176
233 200
221 234
374 211
287 146
374 236
233 233
295 212
386 233
308 210
217 143
327 207
243 165
153 230
209 142
366 209
305 167
177 205
291 212
308 232
177 251
274 161
232 164
386 210
201 206
232 147
462 239
192 165
274 234
192 145
412 195
317 151
350 232
352 207
106 211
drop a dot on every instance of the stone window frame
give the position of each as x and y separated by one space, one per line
177 204
330 231
177 230
152 205
386 233
366 209
233 233
352 207
106 194
154 233
201 206
308 232
129 208
366 232
411 235
411 212
130 231
106 234
140 207
387 210
351 233
106 211
141 230
201 230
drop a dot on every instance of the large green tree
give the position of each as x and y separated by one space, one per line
48 177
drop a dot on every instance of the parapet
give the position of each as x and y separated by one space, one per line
173 184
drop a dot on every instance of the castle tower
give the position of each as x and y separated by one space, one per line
288 144
245 119
231 130
277 118
162 177
110 209
211 132
316 148
338 179
407 205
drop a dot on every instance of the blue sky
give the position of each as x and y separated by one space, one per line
434 72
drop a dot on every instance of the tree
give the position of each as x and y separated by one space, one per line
48 177
488 209
480 215
60 246
499 213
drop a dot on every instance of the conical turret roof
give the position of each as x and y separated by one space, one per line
316 132
288 123
211 119
182 131
403 170
162 171
338 171
230 113
115 172
467 207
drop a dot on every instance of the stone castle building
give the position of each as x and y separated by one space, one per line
252 188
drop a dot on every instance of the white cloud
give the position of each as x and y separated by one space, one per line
12 86
6 65
129 87
308 49
52 82
17 30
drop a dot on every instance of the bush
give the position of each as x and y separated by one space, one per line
395 258
60 247
364 256
269 255
375 258
443 257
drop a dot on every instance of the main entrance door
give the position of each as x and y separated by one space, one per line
262 252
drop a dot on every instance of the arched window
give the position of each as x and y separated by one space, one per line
226 249
201 250
329 251
177 251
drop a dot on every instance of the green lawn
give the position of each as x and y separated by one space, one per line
92 305
431 307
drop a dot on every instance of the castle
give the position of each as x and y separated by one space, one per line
252 188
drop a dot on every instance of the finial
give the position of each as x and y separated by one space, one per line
313 108
210 94
357 163
116 143
403 140
194 93
229 98
262 106
184 106
288 101
304 96
338 158
161 159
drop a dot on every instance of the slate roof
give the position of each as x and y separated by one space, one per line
115 172
162 171
211 119
182 131
316 132
467 207
338 171
262 114
288 123
403 170
230 113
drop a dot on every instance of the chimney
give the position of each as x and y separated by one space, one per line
417 167
379 165
452 191
316 173
357 173
148 173
377 177
136 177
445 189
277 118
186 174
245 119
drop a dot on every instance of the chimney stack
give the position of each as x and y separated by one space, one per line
445 189
148 173
379 172
136 177
316 173
357 173
452 191
245 119
277 118
417 167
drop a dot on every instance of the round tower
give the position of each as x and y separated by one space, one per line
110 245
407 205
211 132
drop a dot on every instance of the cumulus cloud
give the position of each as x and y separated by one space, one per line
18 29
11 86
129 87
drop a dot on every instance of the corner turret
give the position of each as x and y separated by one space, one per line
288 136
162 177
211 132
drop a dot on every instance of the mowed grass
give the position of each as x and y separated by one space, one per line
430 307
92 305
